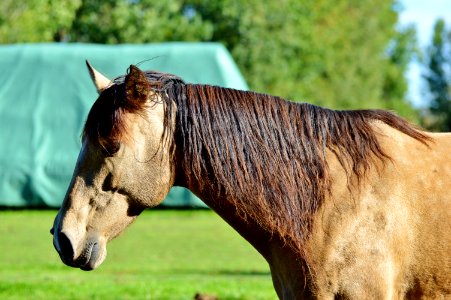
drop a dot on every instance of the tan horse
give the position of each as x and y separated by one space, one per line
342 204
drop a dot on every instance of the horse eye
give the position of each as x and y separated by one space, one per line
108 184
109 149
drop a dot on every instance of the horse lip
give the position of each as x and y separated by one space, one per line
87 261
70 263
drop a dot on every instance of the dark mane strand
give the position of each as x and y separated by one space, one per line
105 123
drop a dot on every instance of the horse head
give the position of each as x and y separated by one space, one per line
125 144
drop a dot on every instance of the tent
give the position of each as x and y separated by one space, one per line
45 96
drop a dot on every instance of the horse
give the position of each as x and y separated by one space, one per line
341 204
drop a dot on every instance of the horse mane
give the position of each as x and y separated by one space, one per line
264 154
268 155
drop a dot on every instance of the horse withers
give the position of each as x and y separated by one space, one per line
341 204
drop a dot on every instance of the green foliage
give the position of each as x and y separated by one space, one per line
35 20
340 54
331 53
438 78
163 255
400 53
144 21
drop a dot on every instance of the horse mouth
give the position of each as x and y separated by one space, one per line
87 260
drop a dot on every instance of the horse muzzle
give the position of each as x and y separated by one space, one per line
89 256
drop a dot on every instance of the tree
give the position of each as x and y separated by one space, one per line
400 53
331 53
438 78
35 20
139 21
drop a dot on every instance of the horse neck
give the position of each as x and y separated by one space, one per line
268 243
221 204
289 268
214 122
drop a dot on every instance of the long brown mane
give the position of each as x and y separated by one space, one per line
265 154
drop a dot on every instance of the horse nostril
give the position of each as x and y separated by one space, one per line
65 246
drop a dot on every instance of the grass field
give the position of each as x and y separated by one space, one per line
165 254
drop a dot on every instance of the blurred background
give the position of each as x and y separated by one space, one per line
341 54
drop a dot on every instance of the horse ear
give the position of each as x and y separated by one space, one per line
100 81
137 87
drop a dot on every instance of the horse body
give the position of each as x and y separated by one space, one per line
354 205
392 240
379 244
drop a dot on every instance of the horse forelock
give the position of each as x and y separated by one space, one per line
107 122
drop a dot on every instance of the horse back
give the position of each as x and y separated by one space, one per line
387 235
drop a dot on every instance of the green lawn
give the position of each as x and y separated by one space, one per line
163 255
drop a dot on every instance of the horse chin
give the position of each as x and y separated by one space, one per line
92 257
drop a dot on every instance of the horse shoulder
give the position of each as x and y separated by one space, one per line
390 237
424 173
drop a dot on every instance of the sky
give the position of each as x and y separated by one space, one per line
422 13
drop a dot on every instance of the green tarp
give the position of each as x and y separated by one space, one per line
46 93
